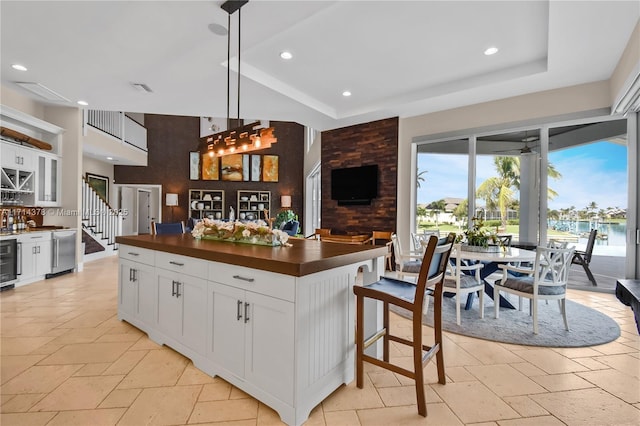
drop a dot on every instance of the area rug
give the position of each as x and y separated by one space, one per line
587 327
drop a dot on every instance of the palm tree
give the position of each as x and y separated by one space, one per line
420 177
499 191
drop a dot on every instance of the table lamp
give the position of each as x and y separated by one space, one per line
171 201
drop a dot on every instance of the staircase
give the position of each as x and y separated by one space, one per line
100 222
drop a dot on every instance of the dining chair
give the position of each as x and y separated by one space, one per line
419 240
407 263
409 296
167 228
583 258
319 233
505 239
386 237
547 280
460 279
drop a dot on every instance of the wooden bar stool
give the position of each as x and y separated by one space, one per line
410 296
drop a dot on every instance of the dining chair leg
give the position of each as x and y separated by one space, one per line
534 307
359 341
385 338
496 302
418 367
481 301
564 313
437 324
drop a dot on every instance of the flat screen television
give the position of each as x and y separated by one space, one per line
354 185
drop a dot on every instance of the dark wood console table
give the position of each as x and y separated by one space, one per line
628 292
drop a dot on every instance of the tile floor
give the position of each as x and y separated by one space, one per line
67 360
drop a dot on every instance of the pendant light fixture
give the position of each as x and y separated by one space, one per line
246 138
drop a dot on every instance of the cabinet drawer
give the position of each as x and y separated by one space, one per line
137 254
183 264
263 282
34 237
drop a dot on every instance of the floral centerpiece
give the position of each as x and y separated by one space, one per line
479 238
257 232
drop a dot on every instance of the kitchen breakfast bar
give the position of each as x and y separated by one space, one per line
276 322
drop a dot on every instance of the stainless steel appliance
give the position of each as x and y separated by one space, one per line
64 251
8 263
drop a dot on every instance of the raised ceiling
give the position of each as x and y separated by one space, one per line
397 58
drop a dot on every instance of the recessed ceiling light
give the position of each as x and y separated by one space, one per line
346 93
286 55
491 51
83 103
19 67
109 158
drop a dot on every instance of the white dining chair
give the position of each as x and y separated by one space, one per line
547 280
457 280
407 263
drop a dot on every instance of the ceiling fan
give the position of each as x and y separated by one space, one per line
526 149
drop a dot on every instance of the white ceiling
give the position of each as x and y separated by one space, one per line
397 58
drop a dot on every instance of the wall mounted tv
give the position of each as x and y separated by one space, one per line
354 185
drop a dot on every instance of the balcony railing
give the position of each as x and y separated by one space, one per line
118 125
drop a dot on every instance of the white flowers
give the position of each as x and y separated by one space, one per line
257 232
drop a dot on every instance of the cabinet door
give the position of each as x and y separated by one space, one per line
48 184
127 288
146 298
43 257
227 345
270 345
169 305
193 293
26 260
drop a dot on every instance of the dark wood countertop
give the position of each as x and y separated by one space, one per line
304 257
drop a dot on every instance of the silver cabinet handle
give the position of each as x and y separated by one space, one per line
246 313
239 277
135 275
130 274
178 284
19 259
176 263
173 288
56 254
133 254
238 309
37 236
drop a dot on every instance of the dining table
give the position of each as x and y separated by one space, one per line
491 259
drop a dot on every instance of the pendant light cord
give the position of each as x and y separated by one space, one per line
239 33
228 69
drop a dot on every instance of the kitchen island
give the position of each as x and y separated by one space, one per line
276 322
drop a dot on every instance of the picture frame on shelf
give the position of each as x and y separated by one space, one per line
194 165
100 184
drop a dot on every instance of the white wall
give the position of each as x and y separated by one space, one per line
97 167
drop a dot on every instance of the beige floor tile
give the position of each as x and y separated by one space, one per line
619 384
532 421
577 352
349 397
489 353
474 402
11 366
89 319
459 374
588 407
40 379
224 411
528 369
562 382
93 369
120 398
124 337
550 361
78 393
87 353
47 349
162 406
39 329
22 403
193 376
437 414
504 380
525 406
591 363
79 335
22 345
269 417
238 394
26 419
383 378
157 368
125 363
105 417
624 363
342 418
144 343
216 391
614 348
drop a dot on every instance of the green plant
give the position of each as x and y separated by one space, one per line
284 216
480 236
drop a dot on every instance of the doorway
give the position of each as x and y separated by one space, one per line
140 204
144 211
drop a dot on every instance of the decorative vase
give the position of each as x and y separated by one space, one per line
488 249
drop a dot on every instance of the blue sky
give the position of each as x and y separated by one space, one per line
594 172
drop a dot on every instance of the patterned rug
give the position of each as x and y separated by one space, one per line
587 327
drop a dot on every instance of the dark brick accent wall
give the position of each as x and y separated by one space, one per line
171 138
361 145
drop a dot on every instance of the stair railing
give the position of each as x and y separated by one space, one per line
104 222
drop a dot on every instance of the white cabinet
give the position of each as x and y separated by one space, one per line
136 295
17 176
34 256
17 157
48 183
253 338
182 300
